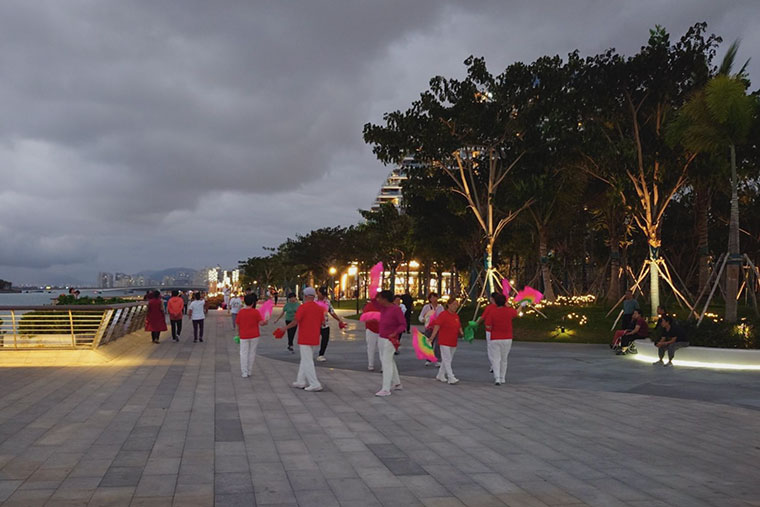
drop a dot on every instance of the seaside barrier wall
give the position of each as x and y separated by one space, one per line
76 327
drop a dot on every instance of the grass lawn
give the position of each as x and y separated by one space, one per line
588 323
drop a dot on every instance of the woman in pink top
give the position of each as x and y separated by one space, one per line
392 324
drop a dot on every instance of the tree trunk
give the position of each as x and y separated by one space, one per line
613 294
393 279
489 265
734 257
546 274
406 281
702 203
654 278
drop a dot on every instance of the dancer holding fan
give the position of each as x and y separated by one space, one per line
447 329
428 315
371 318
392 324
499 326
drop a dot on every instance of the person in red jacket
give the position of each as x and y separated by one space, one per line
372 328
155 320
309 318
175 308
447 329
248 321
499 325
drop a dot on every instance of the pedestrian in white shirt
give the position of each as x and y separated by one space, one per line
429 312
236 304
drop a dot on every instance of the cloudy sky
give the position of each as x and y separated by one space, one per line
144 135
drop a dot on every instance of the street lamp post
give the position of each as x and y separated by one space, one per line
332 272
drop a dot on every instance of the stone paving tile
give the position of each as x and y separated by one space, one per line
180 427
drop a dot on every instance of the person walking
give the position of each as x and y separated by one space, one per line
198 316
325 330
371 330
226 293
392 324
236 304
429 312
499 326
308 318
248 321
289 310
155 319
447 329
175 307
406 298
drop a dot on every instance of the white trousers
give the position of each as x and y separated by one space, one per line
248 355
489 349
447 355
501 350
306 372
387 359
371 338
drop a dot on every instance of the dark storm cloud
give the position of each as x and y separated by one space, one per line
202 131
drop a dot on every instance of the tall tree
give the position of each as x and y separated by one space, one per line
639 95
469 130
719 117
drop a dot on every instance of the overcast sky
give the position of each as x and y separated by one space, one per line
143 135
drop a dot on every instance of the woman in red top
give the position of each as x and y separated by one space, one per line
309 318
448 329
155 321
490 306
248 321
499 324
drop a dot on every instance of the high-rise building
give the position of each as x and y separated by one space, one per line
105 280
122 280
391 190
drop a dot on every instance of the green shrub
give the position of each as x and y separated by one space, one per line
65 299
720 334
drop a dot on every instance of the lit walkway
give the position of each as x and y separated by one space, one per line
176 423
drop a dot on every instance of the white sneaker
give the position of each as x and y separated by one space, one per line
313 389
398 387
428 363
321 359
298 385
245 375
370 368
441 379
659 361
437 365
383 393
453 381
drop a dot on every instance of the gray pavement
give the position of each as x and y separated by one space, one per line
179 426
558 365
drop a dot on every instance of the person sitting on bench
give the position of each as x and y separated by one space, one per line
673 338
639 329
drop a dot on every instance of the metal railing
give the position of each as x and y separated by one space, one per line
68 327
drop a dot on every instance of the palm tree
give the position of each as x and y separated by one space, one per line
715 118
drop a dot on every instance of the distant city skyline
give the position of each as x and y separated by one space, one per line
143 135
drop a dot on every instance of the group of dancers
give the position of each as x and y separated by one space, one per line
442 329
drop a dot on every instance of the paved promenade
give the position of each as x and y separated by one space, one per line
175 424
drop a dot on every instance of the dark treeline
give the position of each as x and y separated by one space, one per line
567 174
